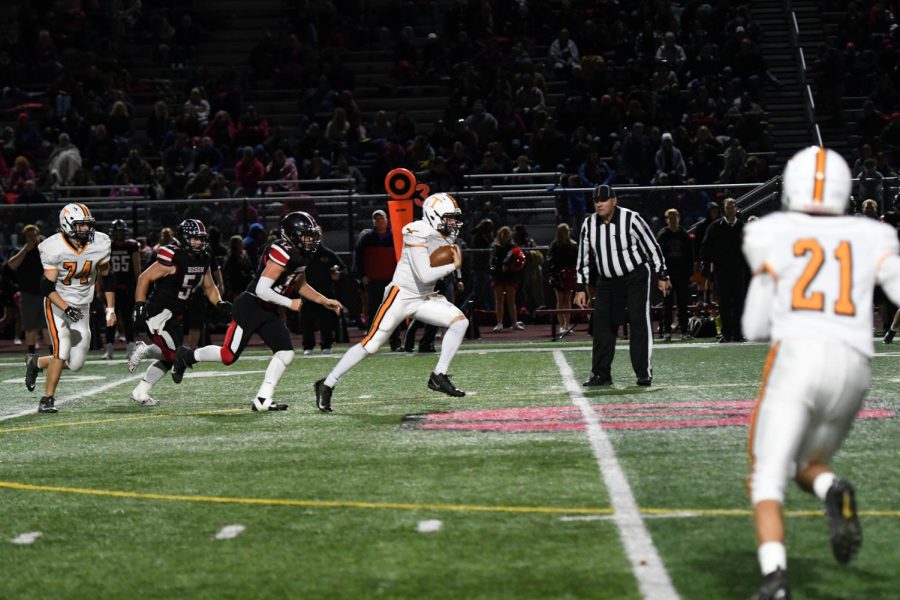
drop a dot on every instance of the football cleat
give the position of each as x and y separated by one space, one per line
598 381
323 396
846 532
46 405
889 336
774 587
31 371
262 405
440 382
147 401
182 357
135 358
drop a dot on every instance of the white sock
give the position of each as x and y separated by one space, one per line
450 344
141 390
274 371
155 372
208 354
350 359
822 483
772 556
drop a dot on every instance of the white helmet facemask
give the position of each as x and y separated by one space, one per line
442 212
71 216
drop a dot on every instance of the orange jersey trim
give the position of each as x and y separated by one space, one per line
764 380
379 315
51 326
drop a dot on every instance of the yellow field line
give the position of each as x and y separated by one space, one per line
306 503
409 506
201 413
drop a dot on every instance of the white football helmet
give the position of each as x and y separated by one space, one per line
816 180
442 212
73 214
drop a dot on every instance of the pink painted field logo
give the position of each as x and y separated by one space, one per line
638 416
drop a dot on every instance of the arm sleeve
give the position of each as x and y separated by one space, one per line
421 266
583 263
757 318
888 274
654 252
756 245
265 292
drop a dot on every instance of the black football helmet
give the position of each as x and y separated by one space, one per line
192 229
301 230
118 230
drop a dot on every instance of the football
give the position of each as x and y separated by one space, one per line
442 256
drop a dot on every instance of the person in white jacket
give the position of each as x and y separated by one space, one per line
411 294
811 295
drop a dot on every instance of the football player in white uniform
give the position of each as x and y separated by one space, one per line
411 294
811 294
73 259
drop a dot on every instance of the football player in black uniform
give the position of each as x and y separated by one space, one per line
280 279
180 269
125 262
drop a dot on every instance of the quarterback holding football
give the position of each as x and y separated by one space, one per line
429 254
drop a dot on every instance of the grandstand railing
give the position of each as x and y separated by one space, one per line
809 104
343 213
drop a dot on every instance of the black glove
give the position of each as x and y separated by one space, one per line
140 315
224 308
74 314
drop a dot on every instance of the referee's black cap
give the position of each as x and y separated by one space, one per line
603 192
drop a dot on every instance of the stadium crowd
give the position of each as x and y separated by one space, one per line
599 92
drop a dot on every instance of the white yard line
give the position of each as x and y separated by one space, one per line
229 532
652 577
88 392
24 539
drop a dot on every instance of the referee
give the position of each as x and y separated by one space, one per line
618 246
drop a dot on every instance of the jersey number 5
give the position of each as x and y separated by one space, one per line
188 284
71 267
802 299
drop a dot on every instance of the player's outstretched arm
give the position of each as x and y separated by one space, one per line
308 292
757 318
889 277
211 289
109 292
151 274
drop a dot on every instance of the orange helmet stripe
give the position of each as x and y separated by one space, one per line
453 200
87 213
819 185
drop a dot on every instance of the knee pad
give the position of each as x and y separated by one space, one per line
285 356
75 361
227 356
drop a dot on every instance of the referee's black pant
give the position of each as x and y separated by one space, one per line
632 290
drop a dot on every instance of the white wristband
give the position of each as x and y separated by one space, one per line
110 312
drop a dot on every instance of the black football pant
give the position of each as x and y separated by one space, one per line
730 290
313 316
634 291
679 293
124 315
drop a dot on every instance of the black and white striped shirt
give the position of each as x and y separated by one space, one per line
617 248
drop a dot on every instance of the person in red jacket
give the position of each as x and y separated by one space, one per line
374 262
248 172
